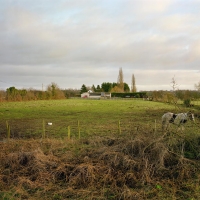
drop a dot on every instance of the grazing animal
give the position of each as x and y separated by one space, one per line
177 119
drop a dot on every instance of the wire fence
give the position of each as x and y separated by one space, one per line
60 128
44 128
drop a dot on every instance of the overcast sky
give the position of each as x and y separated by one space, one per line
75 42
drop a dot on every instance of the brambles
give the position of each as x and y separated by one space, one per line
135 166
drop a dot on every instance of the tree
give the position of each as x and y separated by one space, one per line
174 84
174 88
2 95
120 81
23 94
11 93
114 84
54 92
116 89
83 89
126 87
93 88
98 89
71 92
133 86
106 87
197 86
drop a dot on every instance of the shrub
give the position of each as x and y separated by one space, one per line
187 102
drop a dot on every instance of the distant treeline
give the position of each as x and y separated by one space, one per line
130 94
13 94
173 96
54 92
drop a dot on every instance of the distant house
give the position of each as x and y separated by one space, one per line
85 95
96 95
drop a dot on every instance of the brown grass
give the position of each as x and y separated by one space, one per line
139 166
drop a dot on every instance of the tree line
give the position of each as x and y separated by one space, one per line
14 94
119 89
116 87
105 87
54 92
173 96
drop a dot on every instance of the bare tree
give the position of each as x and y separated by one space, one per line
54 92
120 81
133 86
174 84
197 86
174 88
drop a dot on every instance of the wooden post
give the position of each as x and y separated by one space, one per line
69 133
119 127
79 133
8 130
43 129
7 125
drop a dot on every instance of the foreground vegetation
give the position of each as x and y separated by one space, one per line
121 154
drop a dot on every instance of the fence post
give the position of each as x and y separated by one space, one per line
8 130
119 127
79 133
43 129
68 132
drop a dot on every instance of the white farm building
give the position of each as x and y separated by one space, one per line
96 95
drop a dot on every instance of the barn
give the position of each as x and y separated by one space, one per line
96 95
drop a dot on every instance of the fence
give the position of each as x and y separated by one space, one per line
44 128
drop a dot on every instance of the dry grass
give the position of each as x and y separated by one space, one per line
139 166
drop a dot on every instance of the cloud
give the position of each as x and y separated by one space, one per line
88 41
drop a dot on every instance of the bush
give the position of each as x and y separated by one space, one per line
129 94
187 102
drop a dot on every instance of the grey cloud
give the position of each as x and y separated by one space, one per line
93 39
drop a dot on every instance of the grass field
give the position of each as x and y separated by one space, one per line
121 154
94 116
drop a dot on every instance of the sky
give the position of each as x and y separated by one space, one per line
76 42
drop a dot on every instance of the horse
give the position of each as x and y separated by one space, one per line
177 119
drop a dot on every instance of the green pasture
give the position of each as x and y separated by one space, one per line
29 119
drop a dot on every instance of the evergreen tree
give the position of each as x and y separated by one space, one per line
126 87
98 89
106 87
93 88
83 89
